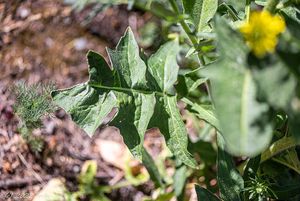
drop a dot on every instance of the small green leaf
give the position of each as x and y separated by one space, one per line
204 194
163 67
201 11
250 173
133 178
188 82
152 169
88 173
290 159
251 168
99 71
230 182
180 178
278 147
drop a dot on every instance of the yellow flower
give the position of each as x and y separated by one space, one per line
261 32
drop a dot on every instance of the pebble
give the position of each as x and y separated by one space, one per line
80 44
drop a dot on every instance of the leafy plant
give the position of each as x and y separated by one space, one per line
32 103
142 89
246 90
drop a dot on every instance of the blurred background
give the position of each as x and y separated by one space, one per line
44 41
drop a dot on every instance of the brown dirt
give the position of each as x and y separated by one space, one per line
41 41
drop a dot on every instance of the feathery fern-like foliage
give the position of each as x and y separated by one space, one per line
32 103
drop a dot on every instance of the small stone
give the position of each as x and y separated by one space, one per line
50 127
76 168
49 162
80 44
23 12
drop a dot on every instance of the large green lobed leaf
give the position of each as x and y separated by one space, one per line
139 91
242 118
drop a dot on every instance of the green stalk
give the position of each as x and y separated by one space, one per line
174 6
248 9
193 39
232 13
271 6
188 31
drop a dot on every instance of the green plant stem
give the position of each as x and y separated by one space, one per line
194 41
248 9
231 12
188 31
271 6
125 89
174 6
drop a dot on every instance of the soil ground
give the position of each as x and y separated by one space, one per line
42 41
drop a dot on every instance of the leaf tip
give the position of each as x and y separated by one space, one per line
129 30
